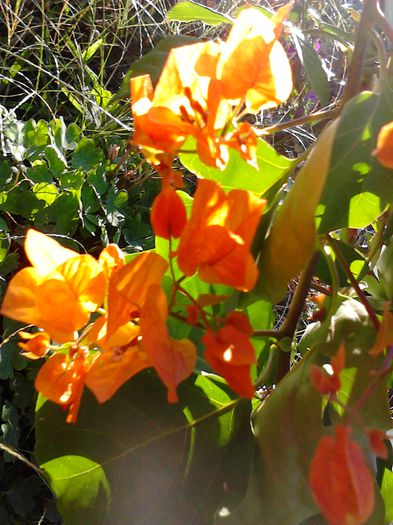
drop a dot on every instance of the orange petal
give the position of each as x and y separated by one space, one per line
44 253
168 215
253 65
76 288
37 344
240 321
325 384
128 287
111 259
384 149
230 353
61 380
236 269
20 301
141 87
209 246
173 360
113 368
338 361
245 211
341 481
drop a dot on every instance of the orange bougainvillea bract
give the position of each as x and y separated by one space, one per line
59 280
217 238
202 87
229 351
384 150
341 481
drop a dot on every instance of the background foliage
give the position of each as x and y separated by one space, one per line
67 168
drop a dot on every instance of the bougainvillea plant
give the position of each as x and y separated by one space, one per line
196 312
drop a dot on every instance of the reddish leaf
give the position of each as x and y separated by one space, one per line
168 215
341 481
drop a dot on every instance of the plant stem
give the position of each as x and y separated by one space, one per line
362 296
318 115
288 328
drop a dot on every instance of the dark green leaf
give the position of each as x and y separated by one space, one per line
287 428
142 457
55 161
86 154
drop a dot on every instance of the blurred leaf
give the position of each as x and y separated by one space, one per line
188 11
272 167
387 495
292 239
354 259
9 264
313 67
287 427
151 460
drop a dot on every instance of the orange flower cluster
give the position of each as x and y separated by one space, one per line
216 240
204 87
61 290
110 318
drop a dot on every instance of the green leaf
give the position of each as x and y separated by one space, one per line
81 483
39 172
141 457
384 266
5 244
55 161
64 213
238 173
36 138
5 173
45 192
387 494
9 264
86 154
188 11
313 67
22 202
358 188
88 53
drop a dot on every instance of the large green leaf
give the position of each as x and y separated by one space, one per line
138 460
238 173
358 188
192 12
287 427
